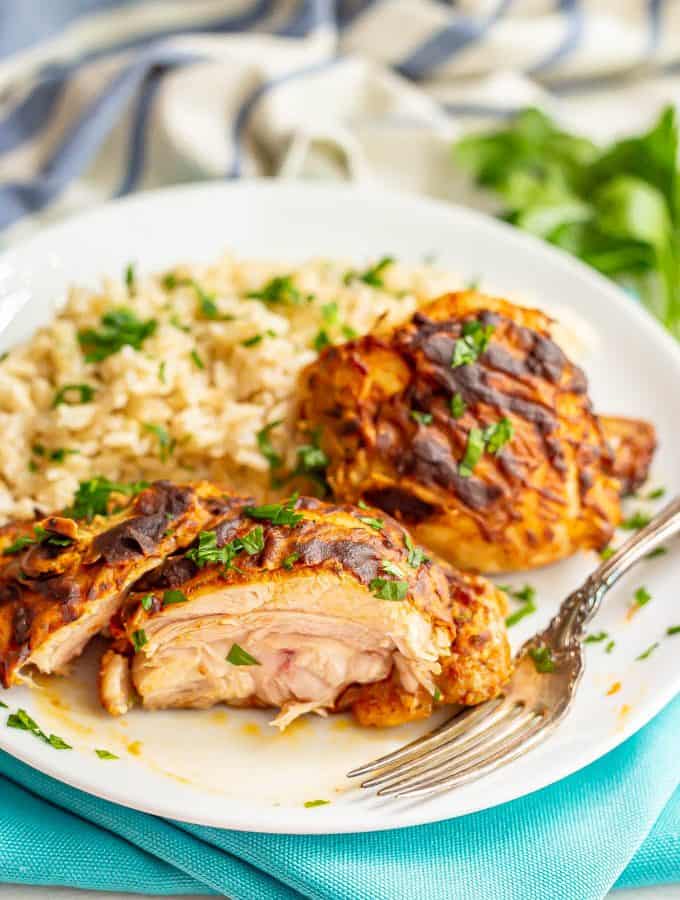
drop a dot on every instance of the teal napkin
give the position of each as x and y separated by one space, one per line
617 822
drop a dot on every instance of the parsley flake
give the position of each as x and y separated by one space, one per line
106 754
265 446
416 555
636 521
674 629
422 418
373 276
237 656
657 551
130 278
174 596
279 289
375 524
290 561
119 328
92 497
388 590
166 444
66 394
198 362
391 568
310 804
642 596
139 639
458 406
147 602
473 452
596 638
276 513
473 342
648 652
21 720
497 436
542 657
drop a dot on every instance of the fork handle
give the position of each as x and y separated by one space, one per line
579 608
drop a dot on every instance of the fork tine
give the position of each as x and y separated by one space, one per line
526 740
514 723
460 742
461 720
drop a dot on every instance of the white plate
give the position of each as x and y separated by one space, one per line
226 768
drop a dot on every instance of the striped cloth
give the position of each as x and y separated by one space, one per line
99 98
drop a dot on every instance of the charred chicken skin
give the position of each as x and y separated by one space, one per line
62 579
304 606
470 425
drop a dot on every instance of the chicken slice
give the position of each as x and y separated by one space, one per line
294 605
470 425
62 579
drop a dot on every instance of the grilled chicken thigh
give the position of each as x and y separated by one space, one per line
470 425
305 606
62 579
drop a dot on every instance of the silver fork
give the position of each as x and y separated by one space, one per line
547 672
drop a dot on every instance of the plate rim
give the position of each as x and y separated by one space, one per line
301 821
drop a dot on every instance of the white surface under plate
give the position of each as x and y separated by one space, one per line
226 767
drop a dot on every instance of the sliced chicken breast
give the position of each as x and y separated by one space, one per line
305 606
62 578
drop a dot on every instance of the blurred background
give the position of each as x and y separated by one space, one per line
99 98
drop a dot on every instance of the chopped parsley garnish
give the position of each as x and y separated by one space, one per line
161 372
72 394
32 465
657 551
42 536
312 462
276 513
656 494
473 342
391 568
375 524
416 555
422 418
526 609
60 454
310 804
253 541
372 276
265 446
493 438
636 521
330 313
130 278
674 629
610 646
607 553
139 639
3 705
174 596
20 544
497 436
279 289
596 638
147 602
176 323
106 754
208 307
542 657
473 452
290 561
321 340
237 656
166 444
458 406
527 597
198 362
21 720
207 550
648 652
389 590
437 695
252 341
642 596
349 332
119 328
92 497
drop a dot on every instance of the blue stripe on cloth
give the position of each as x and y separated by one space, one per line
310 15
241 120
481 109
349 10
654 15
82 142
575 17
23 122
462 32
24 23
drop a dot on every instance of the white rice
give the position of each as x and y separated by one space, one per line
211 415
